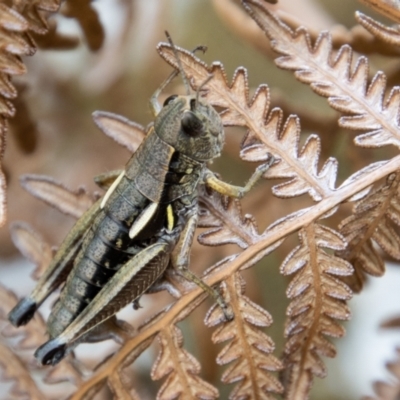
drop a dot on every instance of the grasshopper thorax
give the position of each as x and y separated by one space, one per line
191 126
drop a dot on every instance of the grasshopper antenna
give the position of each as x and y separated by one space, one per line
208 79
178 60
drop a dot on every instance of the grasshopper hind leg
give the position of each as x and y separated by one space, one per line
53 351
129 282
23 312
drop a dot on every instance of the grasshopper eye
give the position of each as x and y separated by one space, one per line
191 125
169 99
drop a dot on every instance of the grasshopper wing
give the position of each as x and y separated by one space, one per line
131 281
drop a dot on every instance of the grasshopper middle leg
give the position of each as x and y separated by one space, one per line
180 261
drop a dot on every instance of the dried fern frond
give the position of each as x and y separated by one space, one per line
125 132
22 24
16 22
318 299
13 44
180 368
317 292
249 348
363 105
73 203
372 222
380 31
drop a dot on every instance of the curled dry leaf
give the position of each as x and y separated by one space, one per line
372 222
121 129
249 348
384 33
318 299
73 203
389 8
347 89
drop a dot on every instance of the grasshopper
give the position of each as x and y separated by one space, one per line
145 223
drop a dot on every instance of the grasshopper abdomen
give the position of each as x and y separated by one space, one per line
106 247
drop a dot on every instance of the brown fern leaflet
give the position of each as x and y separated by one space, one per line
249 349
373 221
318 298
347 90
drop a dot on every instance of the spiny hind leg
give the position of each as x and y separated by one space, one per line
162 283
112 328
57 271
132 280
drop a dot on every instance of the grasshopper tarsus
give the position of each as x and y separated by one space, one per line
136 304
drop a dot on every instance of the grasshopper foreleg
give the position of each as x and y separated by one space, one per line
236 191
180 261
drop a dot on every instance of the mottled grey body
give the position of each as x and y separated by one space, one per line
107 245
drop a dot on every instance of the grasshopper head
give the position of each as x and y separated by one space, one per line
191 126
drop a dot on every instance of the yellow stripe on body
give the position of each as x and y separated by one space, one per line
170 218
